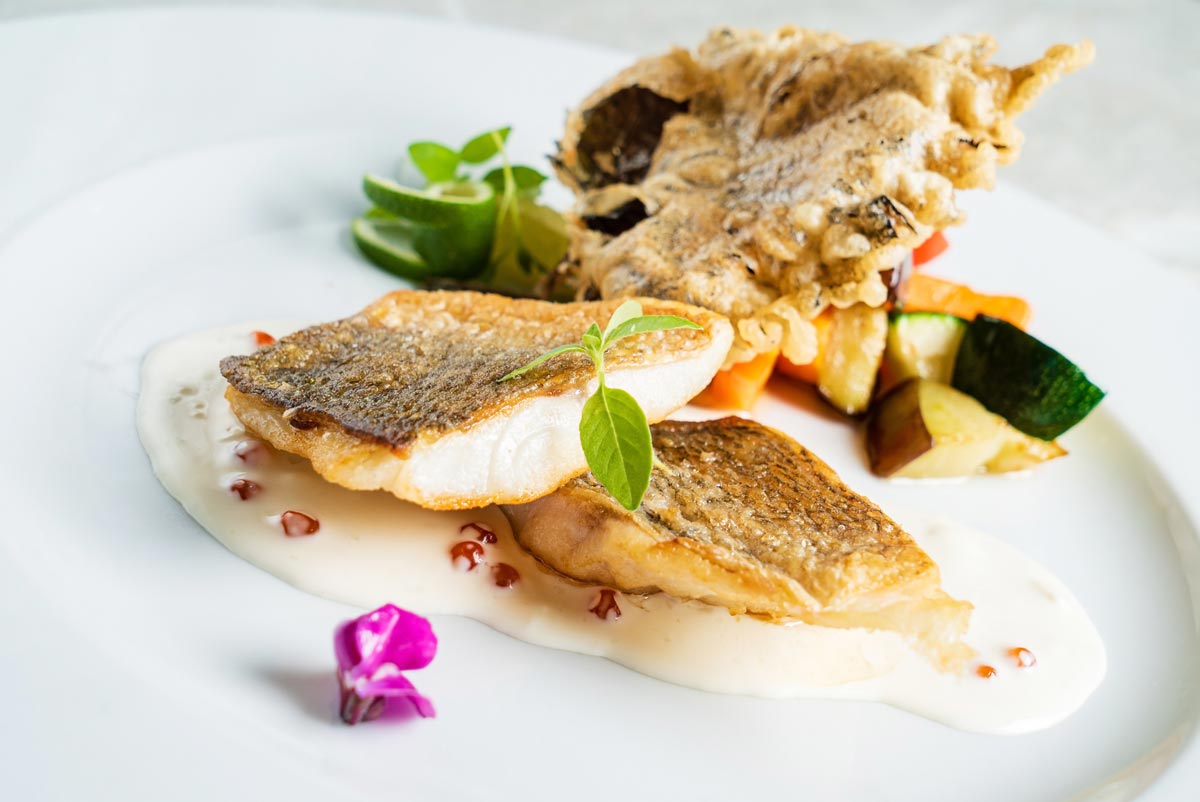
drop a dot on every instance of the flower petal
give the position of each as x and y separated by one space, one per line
386 635
372 652
409 642
344 646
396 686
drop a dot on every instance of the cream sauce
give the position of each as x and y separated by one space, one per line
371 548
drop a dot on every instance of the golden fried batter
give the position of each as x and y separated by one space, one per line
766 176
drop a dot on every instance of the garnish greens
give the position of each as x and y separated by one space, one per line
613 430
433 232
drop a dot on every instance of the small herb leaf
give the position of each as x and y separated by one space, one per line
645 323
528 181
435 161
553 352
616 441
484 146
624 313
593 340
613 430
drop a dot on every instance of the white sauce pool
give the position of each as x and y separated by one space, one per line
372 548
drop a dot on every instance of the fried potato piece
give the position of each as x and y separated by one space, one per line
766 176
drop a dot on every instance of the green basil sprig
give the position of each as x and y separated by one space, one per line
613 430
529 239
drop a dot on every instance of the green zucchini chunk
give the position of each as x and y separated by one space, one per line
923 345
1017 376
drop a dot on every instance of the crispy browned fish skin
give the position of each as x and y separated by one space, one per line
355 394
744 517
774 174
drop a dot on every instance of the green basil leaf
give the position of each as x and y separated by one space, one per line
496 179
625 312
435 161
527 180
616 442
593 339
645 323
505 239
543 233
553 352
484 146
508 268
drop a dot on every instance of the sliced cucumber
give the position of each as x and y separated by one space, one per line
922 345
1017 376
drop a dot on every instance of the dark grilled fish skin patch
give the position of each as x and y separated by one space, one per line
417 363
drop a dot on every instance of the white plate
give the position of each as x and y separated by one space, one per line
142 661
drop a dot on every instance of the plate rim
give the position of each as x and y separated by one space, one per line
13 230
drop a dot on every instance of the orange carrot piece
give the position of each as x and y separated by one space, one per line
810 373
931 248
739 386
805 373
922 293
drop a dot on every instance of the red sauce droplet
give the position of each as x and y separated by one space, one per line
1024 657
987 672
605 605
261 338
482 532
466 555
296 524
245 488
251 452
504 575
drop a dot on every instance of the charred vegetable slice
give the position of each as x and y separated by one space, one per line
850 356
924 429
1017 376
922 345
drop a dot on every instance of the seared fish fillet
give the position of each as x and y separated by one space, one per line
744 517
767 176
404 395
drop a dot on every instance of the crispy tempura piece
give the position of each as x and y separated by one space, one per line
766 176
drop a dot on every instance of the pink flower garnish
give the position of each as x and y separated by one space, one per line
371 652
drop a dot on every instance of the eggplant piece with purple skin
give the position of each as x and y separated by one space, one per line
923 429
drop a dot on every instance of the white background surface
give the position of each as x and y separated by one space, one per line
1113 145
78 724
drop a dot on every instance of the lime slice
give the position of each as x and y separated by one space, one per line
450 224
388 243
458 204
415 251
